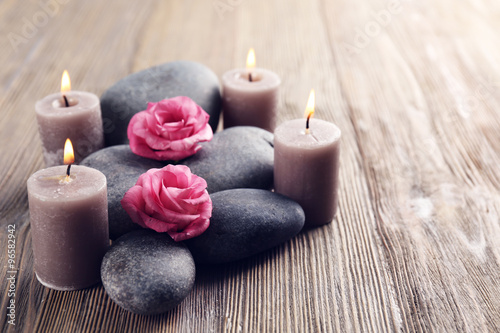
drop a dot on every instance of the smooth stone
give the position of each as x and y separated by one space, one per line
122 168
237 157
245 222
148 273
132 94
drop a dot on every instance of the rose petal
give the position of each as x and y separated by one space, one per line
194 229
156 142
169 130
133 203
172 200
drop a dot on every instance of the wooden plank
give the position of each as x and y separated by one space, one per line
425 187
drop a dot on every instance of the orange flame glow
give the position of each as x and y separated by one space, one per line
65 82
69 155
310 105
251 59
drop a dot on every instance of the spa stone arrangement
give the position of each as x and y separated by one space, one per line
154 178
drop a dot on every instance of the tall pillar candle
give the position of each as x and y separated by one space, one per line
306 166
77 116
250 97
69 224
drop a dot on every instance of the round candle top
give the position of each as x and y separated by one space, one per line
79 102
262 79
250 103
51 184
81 122
321 133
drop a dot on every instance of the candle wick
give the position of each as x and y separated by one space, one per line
250 76
68 170
66 101
307 122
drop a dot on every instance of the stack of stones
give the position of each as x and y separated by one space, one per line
147 272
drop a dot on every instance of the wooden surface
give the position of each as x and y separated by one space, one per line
416 243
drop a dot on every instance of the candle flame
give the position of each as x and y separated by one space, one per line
251 59
65 82
310 105
69 155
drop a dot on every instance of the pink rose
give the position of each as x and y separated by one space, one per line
169 129
172 200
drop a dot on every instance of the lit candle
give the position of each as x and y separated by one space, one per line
69 224
250 96
306 164
69 114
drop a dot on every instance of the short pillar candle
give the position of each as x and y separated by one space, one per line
306 166
69 225
250 96
69 114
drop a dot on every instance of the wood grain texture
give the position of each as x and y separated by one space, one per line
415 88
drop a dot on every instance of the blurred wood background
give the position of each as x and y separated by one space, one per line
415 88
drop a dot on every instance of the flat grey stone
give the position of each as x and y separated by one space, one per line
245 222
148 273
122 168
132 94
238 157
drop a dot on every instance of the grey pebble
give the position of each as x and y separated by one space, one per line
132 93
245 222
148 273
238 157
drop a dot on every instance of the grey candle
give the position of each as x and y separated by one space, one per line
250 97
69 225
69 114
306 164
